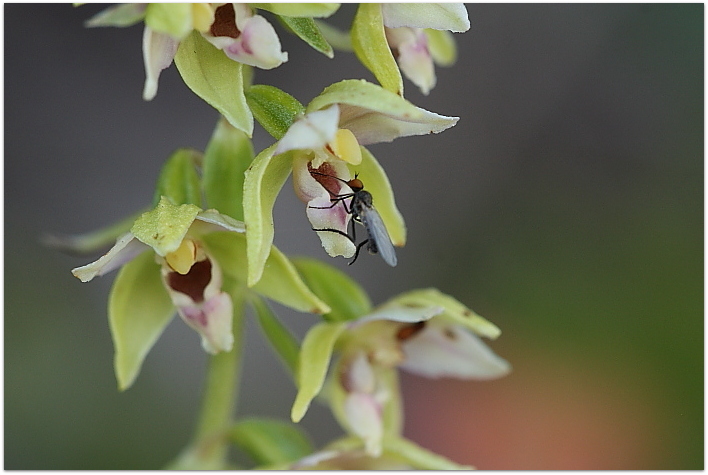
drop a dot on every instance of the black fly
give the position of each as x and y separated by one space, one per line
362 210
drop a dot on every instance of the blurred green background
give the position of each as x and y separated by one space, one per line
566 206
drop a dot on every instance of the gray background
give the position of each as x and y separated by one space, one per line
566 206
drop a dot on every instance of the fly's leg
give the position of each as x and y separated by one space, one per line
358 248
338 232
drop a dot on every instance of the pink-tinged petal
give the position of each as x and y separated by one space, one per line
451 351
159 50
363 415
124 250
320 212
202 304
411 50
213 320
245 37
312 131
438 16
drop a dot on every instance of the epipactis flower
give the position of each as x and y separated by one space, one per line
328 139
244 37
189 260
191 277
424 332
418 36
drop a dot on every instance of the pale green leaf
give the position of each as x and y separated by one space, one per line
280 281
370 46
341 40
316 10
270 441
315 354
277 334
454 310
306 29
164 227
139 309
215 78
264 179
227 156
273 108
376 182
175 19
179 180
442 46
345 297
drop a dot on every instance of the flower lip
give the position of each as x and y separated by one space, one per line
193 282
225 22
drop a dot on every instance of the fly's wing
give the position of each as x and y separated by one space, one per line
377 233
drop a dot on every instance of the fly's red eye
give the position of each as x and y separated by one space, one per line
355 184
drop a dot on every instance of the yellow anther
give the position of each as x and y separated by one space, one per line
182 259
346 147
202 16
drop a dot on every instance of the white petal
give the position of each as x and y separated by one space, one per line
313 131
373 127
451 351
438 16
159 50
125 249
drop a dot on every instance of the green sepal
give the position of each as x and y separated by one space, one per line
214 77
269 441
315 355
280 338
164 227
316 10
307 30
227 156
376 182
92 241
263 181
442 46
453 310
345 297
121 15
139 309
274 109
416 456
371 47
280 281
179 180
175 19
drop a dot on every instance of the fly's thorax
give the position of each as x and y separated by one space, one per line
361 202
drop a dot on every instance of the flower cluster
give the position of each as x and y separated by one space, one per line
205 249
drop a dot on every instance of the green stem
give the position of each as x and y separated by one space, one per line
220 395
